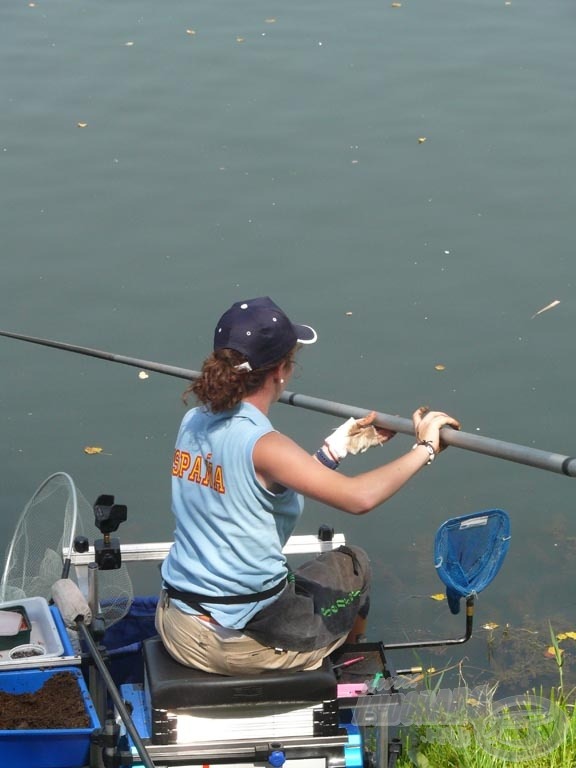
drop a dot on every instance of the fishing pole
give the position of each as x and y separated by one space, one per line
498 449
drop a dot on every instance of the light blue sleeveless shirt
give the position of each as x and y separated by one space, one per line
230 530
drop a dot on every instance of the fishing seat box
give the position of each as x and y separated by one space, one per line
190 706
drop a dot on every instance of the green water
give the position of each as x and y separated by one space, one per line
236 149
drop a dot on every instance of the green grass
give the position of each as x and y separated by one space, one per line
501 742
536 729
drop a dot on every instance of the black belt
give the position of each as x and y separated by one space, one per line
193 599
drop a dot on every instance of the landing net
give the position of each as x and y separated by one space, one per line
469 551
46 529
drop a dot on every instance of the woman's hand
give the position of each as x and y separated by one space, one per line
427 426
356 436
383 434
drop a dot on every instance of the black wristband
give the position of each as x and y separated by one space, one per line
326 460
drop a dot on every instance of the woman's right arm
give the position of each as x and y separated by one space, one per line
279 460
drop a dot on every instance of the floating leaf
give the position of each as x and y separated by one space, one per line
82 125
190 31
440 367
349 314
129 44
92 449
270 21
396 5
422 139
551 652
546 308
490 625
143 375
438 596
562 636
239 39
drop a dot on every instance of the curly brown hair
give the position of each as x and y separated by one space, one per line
221 387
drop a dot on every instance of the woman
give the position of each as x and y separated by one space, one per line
229 603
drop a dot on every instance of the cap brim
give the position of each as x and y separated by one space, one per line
305 334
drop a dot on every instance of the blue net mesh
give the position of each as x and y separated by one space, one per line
468 553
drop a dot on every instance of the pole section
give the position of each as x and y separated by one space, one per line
498 449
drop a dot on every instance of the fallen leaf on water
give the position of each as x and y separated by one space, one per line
190 31
349 314
92 449
396 5
129 44
82 125
566 636
490 625
440 367
239 39
270 21
422 139
550 652
438 596
546 308
143 375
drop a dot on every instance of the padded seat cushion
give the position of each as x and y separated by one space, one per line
174 686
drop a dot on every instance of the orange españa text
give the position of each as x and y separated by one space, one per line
198 470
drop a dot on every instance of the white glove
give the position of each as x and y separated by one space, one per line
354 436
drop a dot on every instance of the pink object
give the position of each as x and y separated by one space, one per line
348 690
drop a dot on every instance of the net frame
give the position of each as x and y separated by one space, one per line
45 532
469 551
16 568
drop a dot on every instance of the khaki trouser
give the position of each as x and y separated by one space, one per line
194 642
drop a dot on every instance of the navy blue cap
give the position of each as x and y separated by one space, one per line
261 331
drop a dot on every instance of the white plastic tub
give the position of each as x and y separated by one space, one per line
44 632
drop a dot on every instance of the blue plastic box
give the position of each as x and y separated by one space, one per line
57 748
63 634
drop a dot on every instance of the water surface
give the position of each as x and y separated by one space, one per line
263 148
